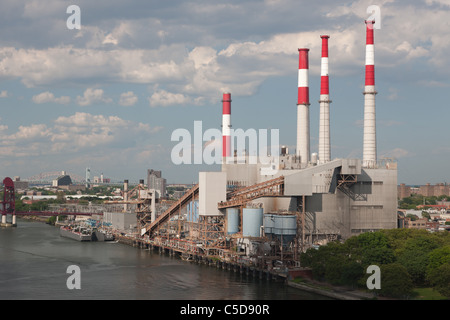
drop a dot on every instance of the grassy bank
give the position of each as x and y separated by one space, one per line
427 294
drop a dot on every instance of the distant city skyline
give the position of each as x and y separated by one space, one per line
109 95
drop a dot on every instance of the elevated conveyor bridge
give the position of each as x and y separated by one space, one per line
270 188
175 208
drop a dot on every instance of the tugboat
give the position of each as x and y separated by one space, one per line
102 235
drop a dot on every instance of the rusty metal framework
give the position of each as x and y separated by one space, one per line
140 197
174 209
211 231
270 188
346 182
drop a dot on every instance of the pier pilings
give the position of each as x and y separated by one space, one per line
192 254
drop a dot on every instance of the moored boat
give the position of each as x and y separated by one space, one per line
76 233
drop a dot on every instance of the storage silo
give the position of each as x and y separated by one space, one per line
232 220
252 222
285 228
269 223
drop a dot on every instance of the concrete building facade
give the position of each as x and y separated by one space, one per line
157 182
334 207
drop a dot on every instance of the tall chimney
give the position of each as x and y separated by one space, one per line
125 195
324 102
226 128
370 137
303 107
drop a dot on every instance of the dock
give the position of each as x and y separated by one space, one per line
213 257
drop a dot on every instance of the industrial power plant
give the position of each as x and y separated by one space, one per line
248 215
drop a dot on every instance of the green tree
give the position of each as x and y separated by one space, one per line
412 216
324 261
371 248
438 257
439 279
39 206
438 270
397 238
60 197
414 256
352 273
395 281
426 215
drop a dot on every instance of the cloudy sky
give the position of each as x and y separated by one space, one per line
109 95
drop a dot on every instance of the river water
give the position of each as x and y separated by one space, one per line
34 261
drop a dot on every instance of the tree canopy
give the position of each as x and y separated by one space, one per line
407 258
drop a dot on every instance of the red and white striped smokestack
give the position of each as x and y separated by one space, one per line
324 102
226 127
303 107
370 139
324 81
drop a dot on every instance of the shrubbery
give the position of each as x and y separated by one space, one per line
407 258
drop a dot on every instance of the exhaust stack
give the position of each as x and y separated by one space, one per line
324 102
370 139
226 128
303 104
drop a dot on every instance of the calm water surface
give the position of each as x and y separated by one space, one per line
34 260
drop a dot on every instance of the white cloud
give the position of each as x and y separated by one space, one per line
396 153
162 98
110 39
91 96
31 133
47 96
128 99
4 94
238 66
440 2
79 132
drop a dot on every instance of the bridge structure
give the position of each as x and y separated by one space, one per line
8 202
54 213
240 197
48 177
8 207
175 209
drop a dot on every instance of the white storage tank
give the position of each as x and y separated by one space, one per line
252 222
232 220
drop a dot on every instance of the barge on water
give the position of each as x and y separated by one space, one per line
81 233
76 233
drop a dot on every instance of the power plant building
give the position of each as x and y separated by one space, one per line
332 198
294 200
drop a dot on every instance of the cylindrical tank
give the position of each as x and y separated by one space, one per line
285 228
269 223
252 222
192 211
232 220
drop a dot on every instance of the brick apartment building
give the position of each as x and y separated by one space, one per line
428 190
